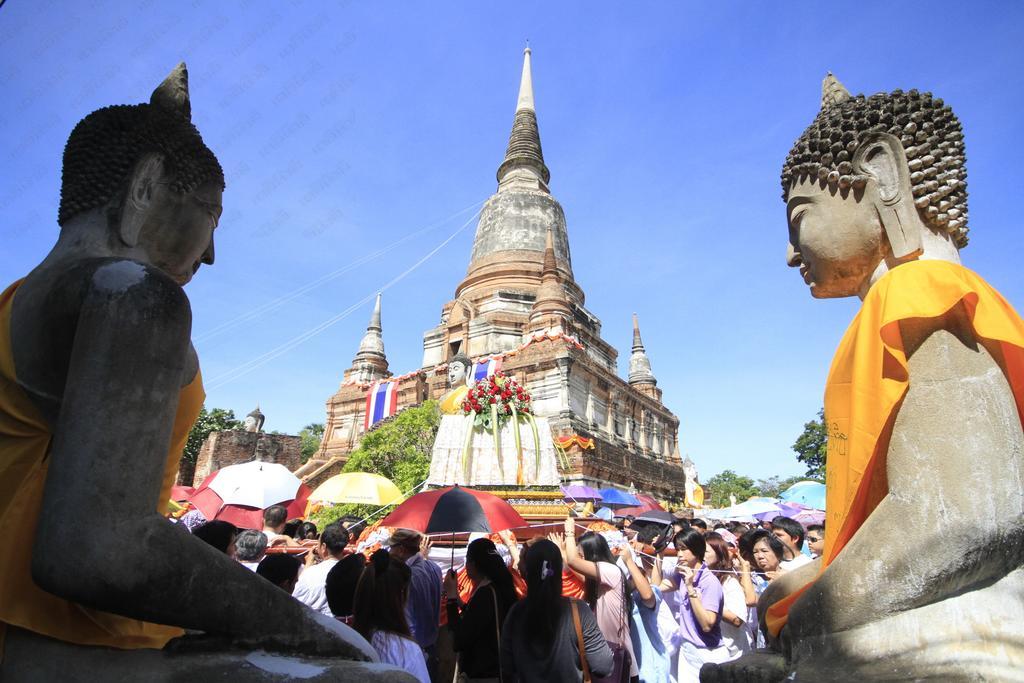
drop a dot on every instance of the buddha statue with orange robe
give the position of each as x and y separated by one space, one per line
921 575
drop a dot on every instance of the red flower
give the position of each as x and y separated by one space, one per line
493 400
508 409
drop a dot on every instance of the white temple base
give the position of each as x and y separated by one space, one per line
446 467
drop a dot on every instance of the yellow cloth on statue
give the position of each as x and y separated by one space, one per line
451 404
869 378
24 448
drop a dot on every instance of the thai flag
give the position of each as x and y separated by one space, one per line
485 369
381 402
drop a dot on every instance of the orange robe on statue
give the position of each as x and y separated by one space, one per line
869 378
24 447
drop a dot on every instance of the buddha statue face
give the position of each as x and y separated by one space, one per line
836 241
871 183
456 373
458 369
175 231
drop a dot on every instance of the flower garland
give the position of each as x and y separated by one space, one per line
490 404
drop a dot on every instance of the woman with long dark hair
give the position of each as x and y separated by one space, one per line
379 614
541 640
606 590
700 613
476 626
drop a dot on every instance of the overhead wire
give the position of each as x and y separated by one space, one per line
247 367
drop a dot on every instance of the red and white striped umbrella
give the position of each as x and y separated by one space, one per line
240 493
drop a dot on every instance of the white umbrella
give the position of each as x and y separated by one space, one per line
255 484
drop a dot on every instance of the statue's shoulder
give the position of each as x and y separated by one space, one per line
65 288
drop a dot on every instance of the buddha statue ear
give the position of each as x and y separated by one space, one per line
881 158
139 198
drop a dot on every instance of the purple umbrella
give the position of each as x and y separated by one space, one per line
580 492
784 509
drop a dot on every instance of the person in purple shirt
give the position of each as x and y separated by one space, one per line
700 613
423 611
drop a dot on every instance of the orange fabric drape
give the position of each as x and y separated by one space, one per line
24 442
869 378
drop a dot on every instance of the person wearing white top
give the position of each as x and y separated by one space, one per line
310 588
378 614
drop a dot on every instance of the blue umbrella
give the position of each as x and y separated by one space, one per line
604 513
808 493
616 497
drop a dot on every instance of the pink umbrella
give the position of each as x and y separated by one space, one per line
810 516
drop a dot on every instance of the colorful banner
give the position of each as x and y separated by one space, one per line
568 441
381 402
486 368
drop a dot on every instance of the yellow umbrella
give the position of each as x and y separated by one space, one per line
357 487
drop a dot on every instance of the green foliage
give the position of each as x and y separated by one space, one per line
216 420
811 446
311 435
728 482
398 449
773 486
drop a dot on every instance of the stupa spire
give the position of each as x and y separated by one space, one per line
639 363
370 361
524 160
551 308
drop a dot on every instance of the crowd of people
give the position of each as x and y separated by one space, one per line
639 601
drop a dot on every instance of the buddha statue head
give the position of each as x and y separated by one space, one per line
144 172
458 370
874 182
254 421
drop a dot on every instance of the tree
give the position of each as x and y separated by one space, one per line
311 435
398 448
216 420
728 482
773 486
812 446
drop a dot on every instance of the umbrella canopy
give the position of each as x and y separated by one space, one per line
784 509
616 497
580 492
239 493
357 487
809 516
649 502
604 513
253 484
179 493
656 516
454 510
808 493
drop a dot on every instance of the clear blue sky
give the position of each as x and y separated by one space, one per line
343 129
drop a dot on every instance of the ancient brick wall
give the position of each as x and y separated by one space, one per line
237 446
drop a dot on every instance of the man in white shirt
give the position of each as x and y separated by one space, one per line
310 588
791 533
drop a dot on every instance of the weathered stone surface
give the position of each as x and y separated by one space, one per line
237 446
28 657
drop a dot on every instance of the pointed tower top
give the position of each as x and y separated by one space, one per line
639 363
637 342
375 316
526 84
371 362
550 265
524 160
832 91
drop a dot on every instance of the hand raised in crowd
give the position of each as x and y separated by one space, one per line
426 543
508 537
687 573
570 526
451 584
